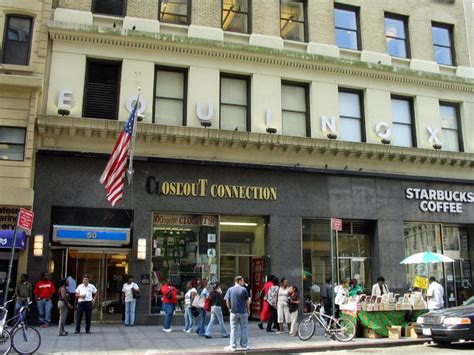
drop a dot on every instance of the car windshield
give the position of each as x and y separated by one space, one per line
469 301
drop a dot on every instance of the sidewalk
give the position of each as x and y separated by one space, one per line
116 339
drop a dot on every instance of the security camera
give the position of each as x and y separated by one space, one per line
140 117
271 130
332 135
63 112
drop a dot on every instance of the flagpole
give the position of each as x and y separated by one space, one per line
130 170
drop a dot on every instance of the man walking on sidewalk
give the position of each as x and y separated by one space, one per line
237 299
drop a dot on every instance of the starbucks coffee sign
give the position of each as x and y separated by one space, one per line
203 188
446 201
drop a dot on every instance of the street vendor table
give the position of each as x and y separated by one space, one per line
380 320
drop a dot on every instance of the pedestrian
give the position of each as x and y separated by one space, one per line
216 312
86 294
237 300
130 292
380 288
169 304
71 289
265 314
188 301
23 292
354 288
435 295
341 293
293 305
63 306
272 300
326 296
283 312
44 290
203 293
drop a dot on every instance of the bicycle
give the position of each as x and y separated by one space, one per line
340 329
23 338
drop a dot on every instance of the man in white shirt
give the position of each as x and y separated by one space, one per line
85 296
435 295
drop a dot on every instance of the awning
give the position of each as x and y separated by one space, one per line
6 239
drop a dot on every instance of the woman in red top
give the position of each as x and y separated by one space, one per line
265 313
169 304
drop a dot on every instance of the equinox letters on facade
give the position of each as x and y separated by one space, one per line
439 200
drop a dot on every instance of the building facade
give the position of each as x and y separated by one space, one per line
23 57
261 121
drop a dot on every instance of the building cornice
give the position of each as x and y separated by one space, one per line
50 126
105 36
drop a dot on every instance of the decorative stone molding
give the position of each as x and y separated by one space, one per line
108 129
248 53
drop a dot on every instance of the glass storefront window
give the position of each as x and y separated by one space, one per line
184 247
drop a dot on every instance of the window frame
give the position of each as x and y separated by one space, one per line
305 23
305 86
124 9
450 29
249 17
16 144
184 71
360 94
188 14
405 19
247 79
5 36
411 103
356 10
457 109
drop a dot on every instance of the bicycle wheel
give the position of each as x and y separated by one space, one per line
5 342
26 340
306 328
344 330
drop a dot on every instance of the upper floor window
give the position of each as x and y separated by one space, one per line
450 136
235 103
346 20
295 110
170 96
12 143
175 11
109 7
443 43
403 133
101 89
235 15
293 20
351 120
396 33
17 39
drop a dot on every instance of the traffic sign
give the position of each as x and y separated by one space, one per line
25 219
336 224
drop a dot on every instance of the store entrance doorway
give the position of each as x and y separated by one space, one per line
107 270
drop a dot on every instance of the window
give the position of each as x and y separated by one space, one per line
101 96
235 107
351 125
402 122
235 16
443 43
293 20
295 111
17 40
109 7
175 11
450 137
346 19
396 33
12 143
170 96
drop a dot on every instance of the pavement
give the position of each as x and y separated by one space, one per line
118 339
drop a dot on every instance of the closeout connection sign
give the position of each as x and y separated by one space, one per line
446 201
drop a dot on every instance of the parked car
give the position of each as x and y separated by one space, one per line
449 324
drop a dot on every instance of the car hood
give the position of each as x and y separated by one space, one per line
452 312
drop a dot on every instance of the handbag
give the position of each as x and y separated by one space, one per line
135 294
198 302
207 304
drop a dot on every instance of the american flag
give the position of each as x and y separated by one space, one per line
113 177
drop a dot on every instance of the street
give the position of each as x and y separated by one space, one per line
466 348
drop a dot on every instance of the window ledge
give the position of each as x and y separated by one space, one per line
447 69
350 53
172 28
295 45
401 62
237 37
7 68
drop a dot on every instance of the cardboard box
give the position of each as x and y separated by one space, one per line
371 334
407 329
394 332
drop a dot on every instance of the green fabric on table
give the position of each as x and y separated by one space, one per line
380 320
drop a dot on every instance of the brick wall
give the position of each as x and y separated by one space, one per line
84 5
266 17
206 13
143 9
